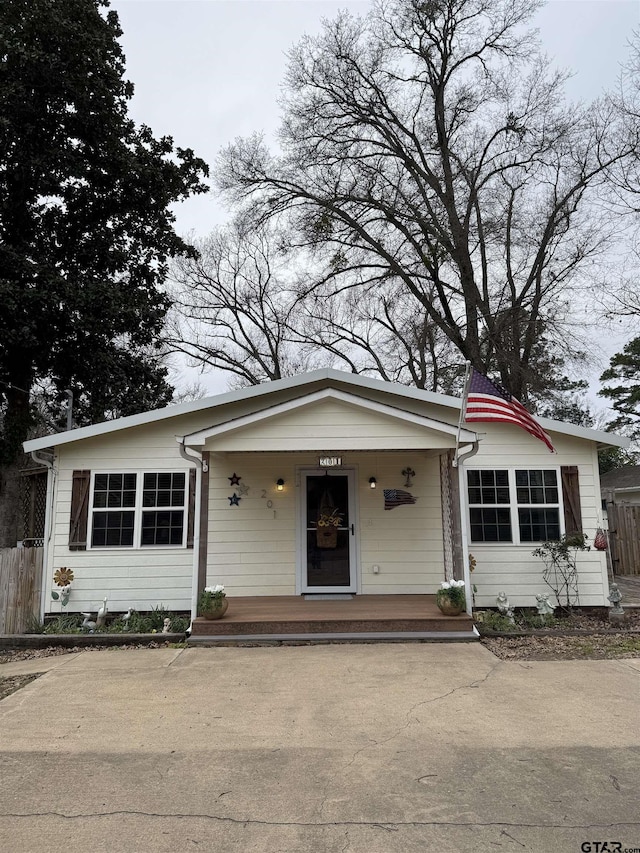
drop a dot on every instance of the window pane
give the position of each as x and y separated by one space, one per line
114 490
162 528
164 481
536 487
490 525
150 481
539 525
112 529
129 482
488 487
473 478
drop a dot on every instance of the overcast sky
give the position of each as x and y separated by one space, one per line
206 71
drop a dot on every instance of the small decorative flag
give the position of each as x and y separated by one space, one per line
396 497
488 402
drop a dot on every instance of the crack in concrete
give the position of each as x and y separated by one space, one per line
389 826
476 683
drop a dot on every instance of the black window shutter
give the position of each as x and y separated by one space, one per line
571 499
79 510
192 507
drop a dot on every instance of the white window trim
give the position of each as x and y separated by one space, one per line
513 504
137 510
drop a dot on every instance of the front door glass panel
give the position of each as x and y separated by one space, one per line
328 528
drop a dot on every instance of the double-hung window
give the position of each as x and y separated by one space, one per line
137 510
114 510
163 498
513 505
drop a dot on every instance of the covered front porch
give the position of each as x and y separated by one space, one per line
270 480
362 617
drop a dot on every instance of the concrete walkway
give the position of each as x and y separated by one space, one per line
350 748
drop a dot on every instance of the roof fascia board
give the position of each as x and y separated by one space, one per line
198 439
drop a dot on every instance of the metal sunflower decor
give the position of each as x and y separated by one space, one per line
63 576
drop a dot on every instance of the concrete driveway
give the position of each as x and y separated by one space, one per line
345 748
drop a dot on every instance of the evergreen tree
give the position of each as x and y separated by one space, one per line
623 388
86 230
85 226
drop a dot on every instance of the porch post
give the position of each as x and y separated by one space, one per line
203 522
451 518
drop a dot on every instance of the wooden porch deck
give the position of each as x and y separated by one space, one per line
364 617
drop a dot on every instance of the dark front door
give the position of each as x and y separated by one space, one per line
329 532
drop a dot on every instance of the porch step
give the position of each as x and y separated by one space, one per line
202 627
373 616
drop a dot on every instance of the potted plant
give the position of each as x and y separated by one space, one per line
212 602
450 598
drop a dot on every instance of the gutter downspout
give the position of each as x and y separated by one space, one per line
48 515
201 466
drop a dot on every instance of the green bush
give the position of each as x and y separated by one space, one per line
64 623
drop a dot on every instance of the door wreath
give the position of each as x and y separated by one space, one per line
328 523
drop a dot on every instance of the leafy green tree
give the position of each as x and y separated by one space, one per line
86 229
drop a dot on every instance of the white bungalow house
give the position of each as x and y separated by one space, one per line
150 508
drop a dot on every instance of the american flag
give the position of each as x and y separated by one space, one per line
396 497
487 402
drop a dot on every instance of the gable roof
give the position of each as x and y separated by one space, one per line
199 438
328 376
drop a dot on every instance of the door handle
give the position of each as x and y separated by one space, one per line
353 532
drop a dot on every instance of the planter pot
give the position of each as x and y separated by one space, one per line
216 612
448 607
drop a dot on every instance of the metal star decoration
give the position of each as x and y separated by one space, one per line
234 479
234 500
243 490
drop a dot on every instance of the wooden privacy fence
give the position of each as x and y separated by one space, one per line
624 538
20 587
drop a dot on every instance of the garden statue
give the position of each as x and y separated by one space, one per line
101 618
544 607
87 623
126 618
503 605
504 608
615 597
166 628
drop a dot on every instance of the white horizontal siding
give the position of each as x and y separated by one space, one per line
140 578
326 423
253 552
513 569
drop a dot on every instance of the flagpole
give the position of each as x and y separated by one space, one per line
465 394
